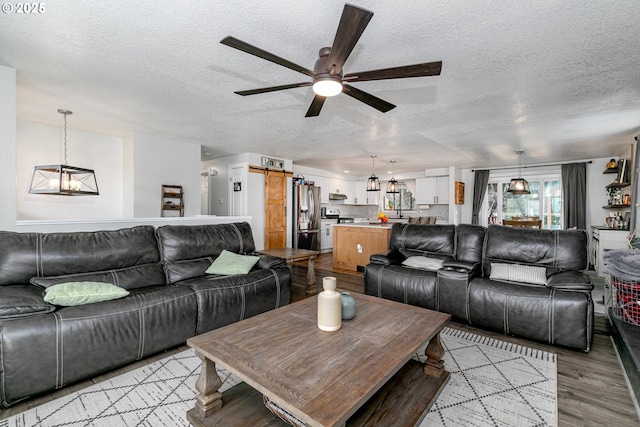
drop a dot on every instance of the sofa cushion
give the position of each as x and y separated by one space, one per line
397 283
188 250
565 250
182 242
22 301
226 299
436 239
518 273
228 263
469 243
26 255
140 276
79 293
424 263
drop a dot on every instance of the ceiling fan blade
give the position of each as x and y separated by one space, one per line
367 98
260 53
316 106
352 24
416 70
272 89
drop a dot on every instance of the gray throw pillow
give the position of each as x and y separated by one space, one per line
518 273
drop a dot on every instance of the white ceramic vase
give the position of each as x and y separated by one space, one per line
329 307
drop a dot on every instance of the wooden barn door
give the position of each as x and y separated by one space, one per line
275 229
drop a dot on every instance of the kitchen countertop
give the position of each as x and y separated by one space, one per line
364 224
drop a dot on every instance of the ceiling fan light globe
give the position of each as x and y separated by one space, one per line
327 87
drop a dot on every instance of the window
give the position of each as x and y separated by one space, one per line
544 202
404 200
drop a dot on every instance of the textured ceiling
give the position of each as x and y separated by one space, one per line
559 79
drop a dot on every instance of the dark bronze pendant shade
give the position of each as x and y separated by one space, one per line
392 185
373 183
519 185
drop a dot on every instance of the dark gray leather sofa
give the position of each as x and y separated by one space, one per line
45 347
557 310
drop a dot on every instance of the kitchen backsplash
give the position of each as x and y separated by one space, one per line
441 212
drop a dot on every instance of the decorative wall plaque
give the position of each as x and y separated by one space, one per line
272 163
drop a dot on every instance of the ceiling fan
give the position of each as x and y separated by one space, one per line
328 78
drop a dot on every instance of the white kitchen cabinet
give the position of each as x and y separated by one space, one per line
350 191
326 238
360 197
323 183
335 185
364 197
341 186
432 190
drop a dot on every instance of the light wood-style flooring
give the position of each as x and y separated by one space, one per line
591 387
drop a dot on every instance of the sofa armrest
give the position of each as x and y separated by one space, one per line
455 264
472 268
390 258
22 301
266 262
570 281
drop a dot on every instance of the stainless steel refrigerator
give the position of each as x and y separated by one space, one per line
306 217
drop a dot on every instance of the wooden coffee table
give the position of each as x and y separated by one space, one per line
359 375
291 255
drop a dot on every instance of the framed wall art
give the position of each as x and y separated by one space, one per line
459 193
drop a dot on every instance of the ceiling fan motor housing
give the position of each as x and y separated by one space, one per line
321 68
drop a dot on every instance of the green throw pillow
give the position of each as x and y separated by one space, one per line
229 263
78 293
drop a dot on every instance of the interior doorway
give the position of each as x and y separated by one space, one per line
238 190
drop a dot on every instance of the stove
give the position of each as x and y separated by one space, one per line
343 220
332 213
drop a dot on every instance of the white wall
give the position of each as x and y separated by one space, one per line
8 147
60 226
128 189
44 145
120 173
219 184
158 161
219 192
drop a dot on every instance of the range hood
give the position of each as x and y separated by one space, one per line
337 196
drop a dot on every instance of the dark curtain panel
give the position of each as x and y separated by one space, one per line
574 189
480 182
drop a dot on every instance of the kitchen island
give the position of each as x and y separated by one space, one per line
354 243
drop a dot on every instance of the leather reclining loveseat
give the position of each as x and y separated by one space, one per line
522 282
45 347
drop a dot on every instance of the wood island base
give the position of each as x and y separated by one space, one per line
353 244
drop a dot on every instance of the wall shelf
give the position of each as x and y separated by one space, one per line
616 206
618 185
172 201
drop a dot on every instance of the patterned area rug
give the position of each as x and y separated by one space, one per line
493 383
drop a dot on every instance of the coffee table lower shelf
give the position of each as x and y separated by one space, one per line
403 401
